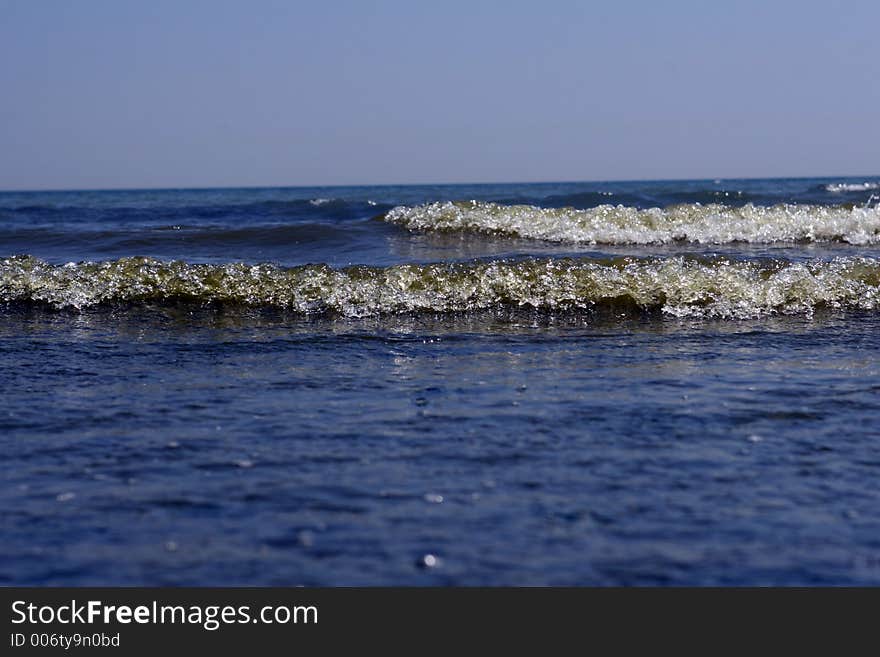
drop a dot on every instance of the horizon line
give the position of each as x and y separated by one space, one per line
161 188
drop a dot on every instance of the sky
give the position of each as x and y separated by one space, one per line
185 93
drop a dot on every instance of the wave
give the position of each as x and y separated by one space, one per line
851 187
619 224
677 286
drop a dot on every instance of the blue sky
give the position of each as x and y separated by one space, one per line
102 94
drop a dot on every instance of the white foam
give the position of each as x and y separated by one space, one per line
852 187
676 286
619 224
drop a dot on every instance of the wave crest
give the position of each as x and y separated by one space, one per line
619 224
836 188
684 287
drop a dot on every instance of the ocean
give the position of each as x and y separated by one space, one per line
621 383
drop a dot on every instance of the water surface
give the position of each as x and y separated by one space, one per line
287 386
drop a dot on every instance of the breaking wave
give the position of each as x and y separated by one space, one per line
619 224
678 286
852 187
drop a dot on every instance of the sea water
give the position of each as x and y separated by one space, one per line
672 382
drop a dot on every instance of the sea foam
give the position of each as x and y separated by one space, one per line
619 224
677 286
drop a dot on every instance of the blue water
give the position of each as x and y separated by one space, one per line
165 436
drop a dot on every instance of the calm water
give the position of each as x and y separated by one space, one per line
607 383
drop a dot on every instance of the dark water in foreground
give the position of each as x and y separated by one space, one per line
681 405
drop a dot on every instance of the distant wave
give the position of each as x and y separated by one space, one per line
852 187
619 224
677 286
